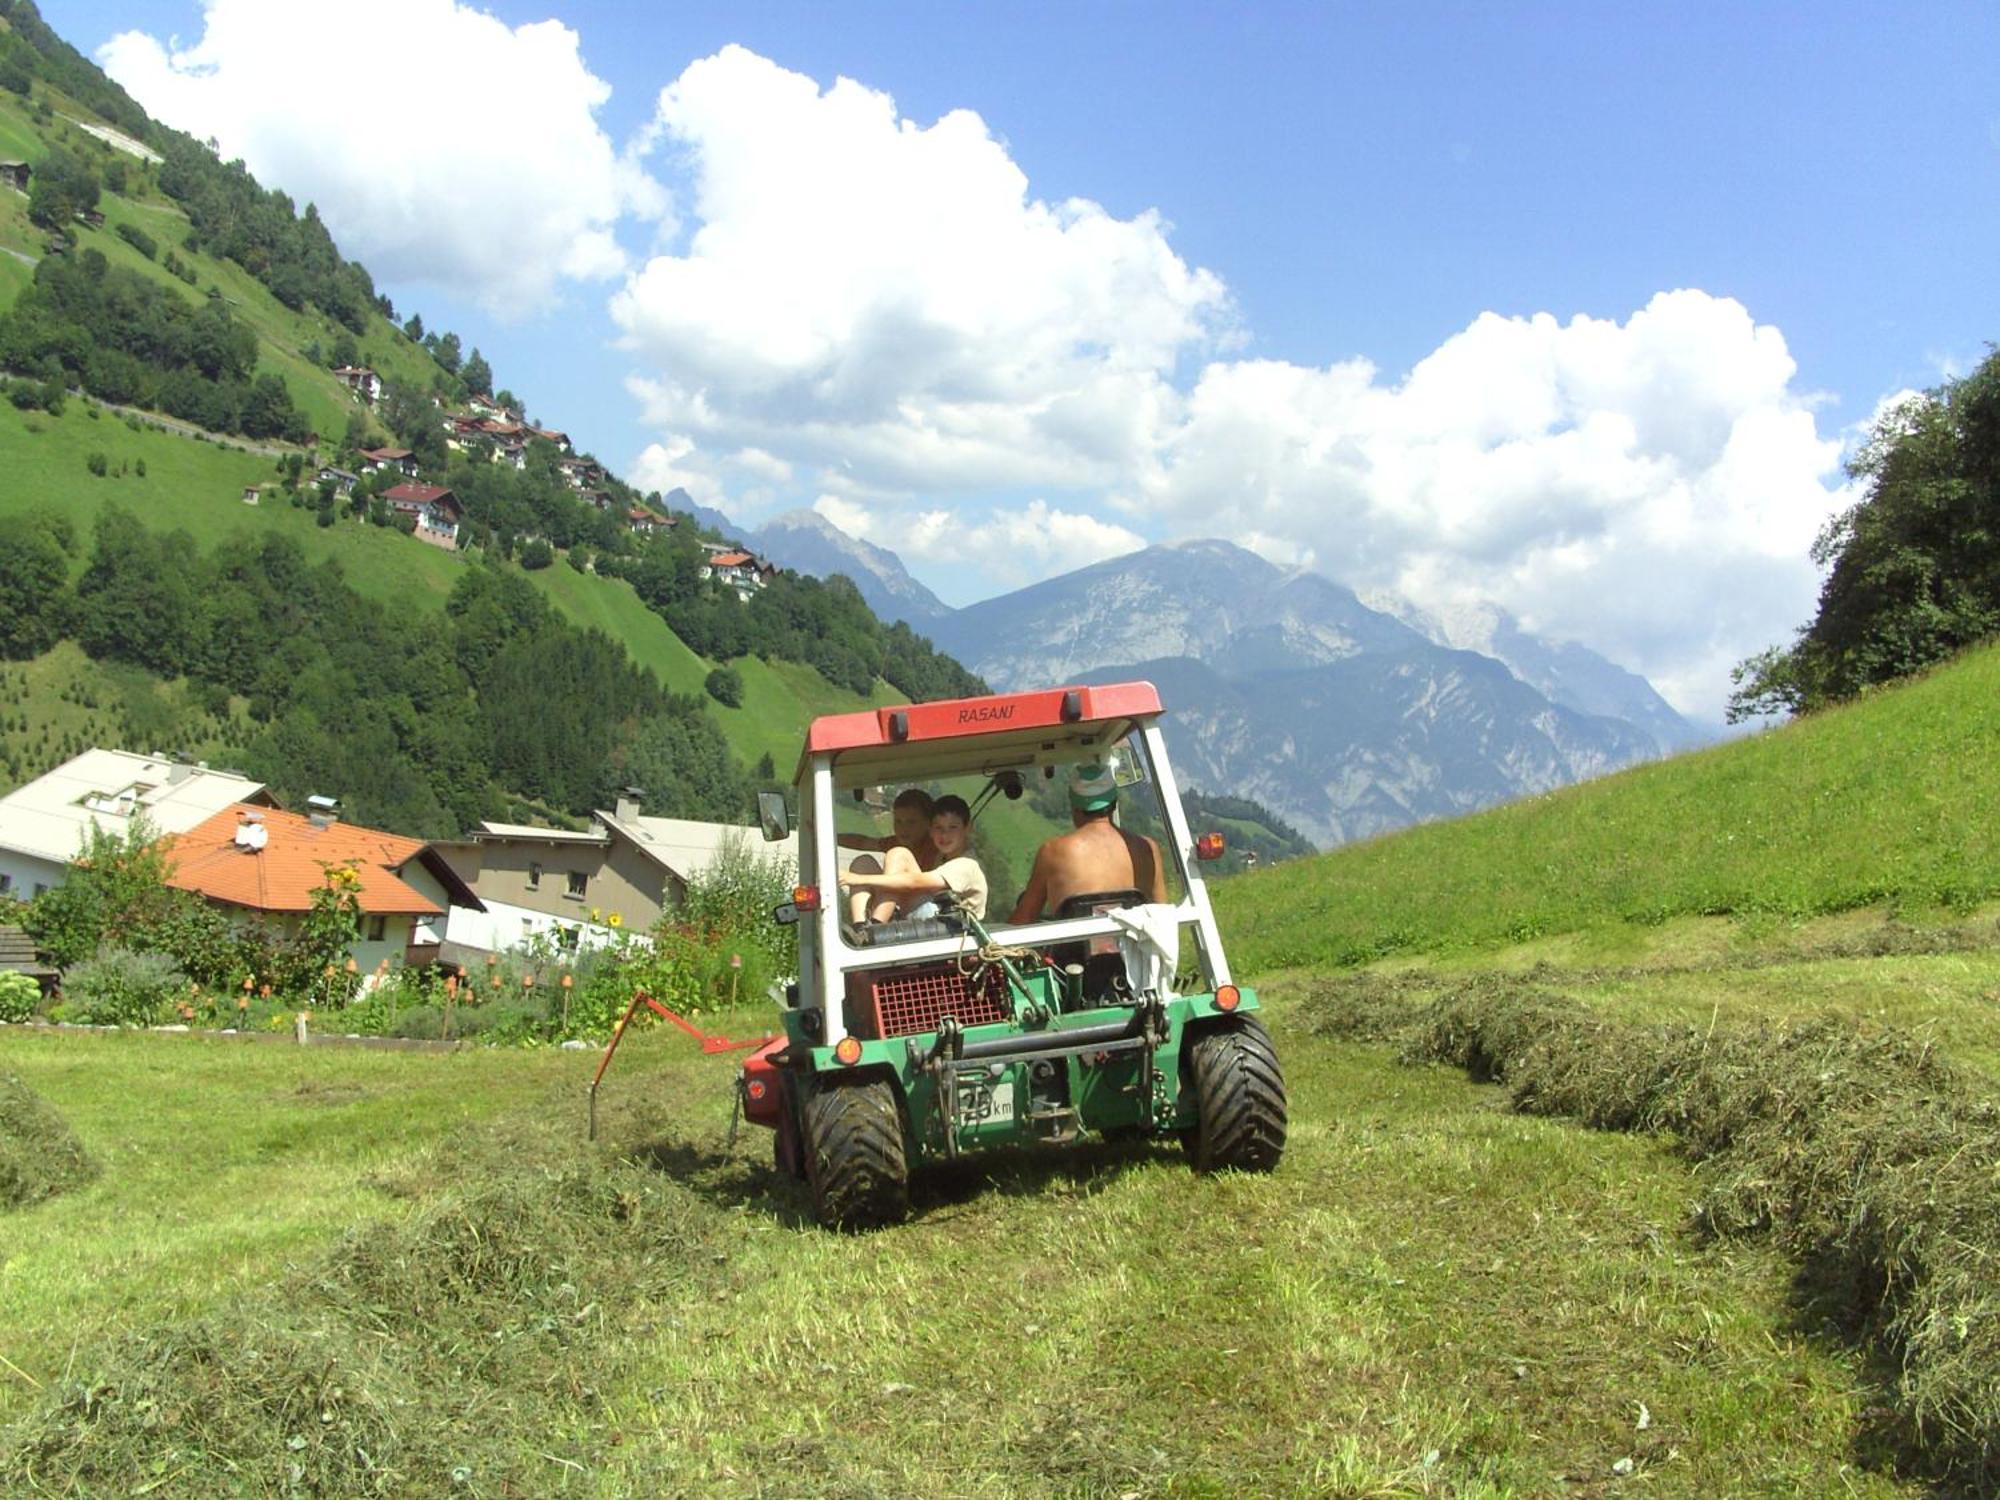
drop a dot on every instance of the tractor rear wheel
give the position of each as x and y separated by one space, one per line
853 1138
1239 1098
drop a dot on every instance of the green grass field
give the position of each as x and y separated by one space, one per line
1430 1297
1890 800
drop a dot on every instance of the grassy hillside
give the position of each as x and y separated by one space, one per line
284 334
62 703
1892 799
198 487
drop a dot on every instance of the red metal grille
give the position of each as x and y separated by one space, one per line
905 1004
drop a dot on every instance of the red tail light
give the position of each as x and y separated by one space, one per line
1208 846
805 897
1227 998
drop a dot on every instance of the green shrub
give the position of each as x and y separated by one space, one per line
97 463
138 239
725 686
18 997
122 988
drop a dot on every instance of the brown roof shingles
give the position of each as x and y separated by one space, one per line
282 876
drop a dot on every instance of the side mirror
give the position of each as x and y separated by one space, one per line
1010 786
786 913
772 816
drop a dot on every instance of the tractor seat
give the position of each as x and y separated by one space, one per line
1097 903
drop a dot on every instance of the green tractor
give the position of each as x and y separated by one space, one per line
937 1033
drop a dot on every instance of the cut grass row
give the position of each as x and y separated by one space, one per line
1892 799
1429 1297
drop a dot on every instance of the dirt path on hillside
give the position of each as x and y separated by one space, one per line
184 429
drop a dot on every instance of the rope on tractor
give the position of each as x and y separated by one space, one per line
975 964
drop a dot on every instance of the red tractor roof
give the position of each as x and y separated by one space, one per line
998 713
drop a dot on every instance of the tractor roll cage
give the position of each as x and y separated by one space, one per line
978 736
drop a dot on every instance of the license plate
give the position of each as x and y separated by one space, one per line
982 1101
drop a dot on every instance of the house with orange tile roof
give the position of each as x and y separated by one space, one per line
266 864
742 571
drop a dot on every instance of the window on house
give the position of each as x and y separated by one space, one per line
534 875
378 928
577 881
6 884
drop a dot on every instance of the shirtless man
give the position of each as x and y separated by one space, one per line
1097 855
912 820
902 888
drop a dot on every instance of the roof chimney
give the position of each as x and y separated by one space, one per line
628 804
178 772
323 811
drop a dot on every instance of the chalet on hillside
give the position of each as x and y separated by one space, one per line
436 510
402 460
15 174
486 406
264 864
645 522
582 473
742 571
343 482
551 435
362 381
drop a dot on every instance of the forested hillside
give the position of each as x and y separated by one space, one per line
142 273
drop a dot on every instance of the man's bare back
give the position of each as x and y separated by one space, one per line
1096 856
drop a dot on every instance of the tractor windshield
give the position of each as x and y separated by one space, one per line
1011 811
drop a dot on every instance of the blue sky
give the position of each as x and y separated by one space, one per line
1361 183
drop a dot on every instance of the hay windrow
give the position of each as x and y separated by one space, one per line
417 1357
1873 1161
40 1155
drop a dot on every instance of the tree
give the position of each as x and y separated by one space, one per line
725 686
537 554
33 593
1913 568
346 352
61 188
116 885
446 352
477 374
414 329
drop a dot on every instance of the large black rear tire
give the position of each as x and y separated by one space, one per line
1239 1098
853 1138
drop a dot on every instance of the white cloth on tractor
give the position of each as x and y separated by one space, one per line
1151 945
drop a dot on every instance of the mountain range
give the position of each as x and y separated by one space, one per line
1348 718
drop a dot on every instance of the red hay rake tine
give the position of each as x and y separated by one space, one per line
709 1044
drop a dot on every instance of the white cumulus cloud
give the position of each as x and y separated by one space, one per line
1649 487
1008 545
441 145
885 299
